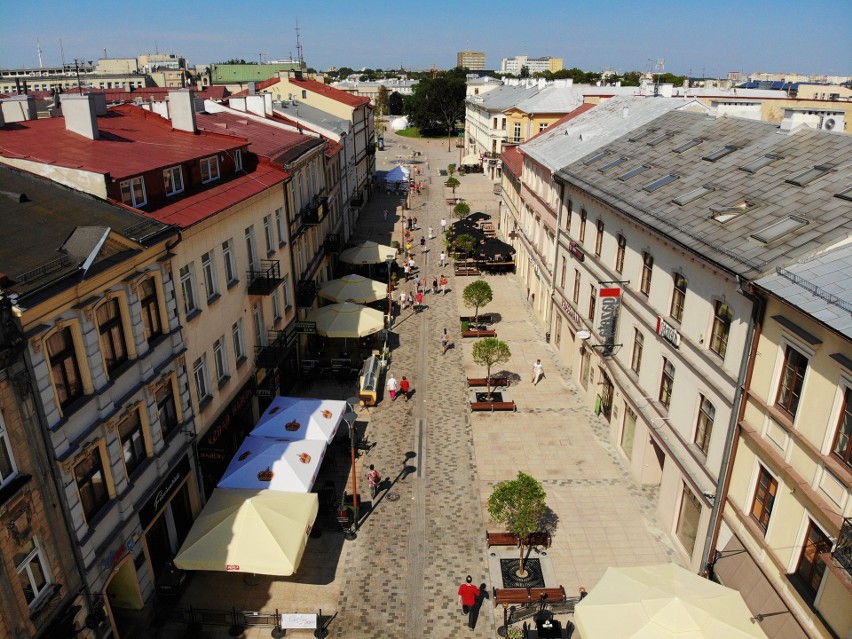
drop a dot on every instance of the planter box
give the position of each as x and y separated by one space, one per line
479 333
506 403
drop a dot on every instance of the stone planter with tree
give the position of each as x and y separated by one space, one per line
477 295
461 210
519 505
488 352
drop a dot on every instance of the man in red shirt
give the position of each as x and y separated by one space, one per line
467 594
404 387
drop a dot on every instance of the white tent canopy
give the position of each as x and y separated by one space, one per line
297 418
397 174
398 124
471 160
263 463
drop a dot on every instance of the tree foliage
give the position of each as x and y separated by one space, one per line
476 295
453 183
461 210
464 243
518 504
490 351
437 104
451 168
395 103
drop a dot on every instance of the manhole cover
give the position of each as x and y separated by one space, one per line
533 578
392 497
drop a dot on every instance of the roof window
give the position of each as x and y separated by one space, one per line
765 160
596 158
728 213
701 191
688 145
660 138
607 167
667 179
642 134
809 175
718 154
845 194
634 172
779 229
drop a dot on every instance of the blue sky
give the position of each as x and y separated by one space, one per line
704 38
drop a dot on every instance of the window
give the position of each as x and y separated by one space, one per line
568 210
641 135
582 237
792 379
704 428
220 358
727 213
647 272
251 251
666 179
779 229
721 328
91 483
230 264
279 225
133 192
542 126
701 191
610 165
593 300
173 179
276 308
166 408
599 238
765 160
842 440
285 290
678 297
239 343
132 441
666 383
209 169
596 158
660 139
688 145
563 272
187 287
628 432
638 346
633 172
113 346
7 462
811 566
576 296
150 309
621 242
267 234
64 368
202 382
557 329
764 498
585 365
687 521
502 124
809 175
209 270
718 154
33 575
259 332
238 160
517 135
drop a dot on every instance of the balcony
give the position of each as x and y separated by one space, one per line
275 352
371 148
264 280
306 293
332 243
314 212
843 548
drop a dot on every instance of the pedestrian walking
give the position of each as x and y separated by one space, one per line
473 615
443 285
386 215
401 301
435 286
423 243
467 595
442 258
393 386
374 479
445 342
404 387
431 233
537 372
406 270
414 226
417 283
443 225
411 263
419 298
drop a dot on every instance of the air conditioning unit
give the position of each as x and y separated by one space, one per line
828 124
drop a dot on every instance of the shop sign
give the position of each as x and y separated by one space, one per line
163 493
668 332
571 314
610 300
309 328
576 251
207 448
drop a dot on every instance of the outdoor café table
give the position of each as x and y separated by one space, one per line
548 629
299 621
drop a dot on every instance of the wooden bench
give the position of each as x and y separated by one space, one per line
484 318
500 539
462 271
480 333
480 382
541 538
509 596
493 406
550 595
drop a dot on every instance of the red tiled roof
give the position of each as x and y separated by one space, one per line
512 160
332 149
198 206
259 86
330 92
580 110
47 141
213 92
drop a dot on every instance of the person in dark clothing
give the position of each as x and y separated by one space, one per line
473 615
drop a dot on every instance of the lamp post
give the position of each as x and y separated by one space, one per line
349 417
389 259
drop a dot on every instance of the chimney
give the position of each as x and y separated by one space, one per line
252 88
625 111
666 90
19 108
79 112
182 108
260 104
100 103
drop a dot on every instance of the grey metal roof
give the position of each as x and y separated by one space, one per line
739 244
820 286
552 99
560 145
503 97
302 112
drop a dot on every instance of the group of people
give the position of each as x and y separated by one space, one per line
400 388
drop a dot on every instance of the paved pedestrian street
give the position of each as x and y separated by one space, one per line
425 531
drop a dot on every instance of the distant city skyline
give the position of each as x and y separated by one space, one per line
707 39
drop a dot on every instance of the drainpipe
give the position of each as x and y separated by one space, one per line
549 308
737 412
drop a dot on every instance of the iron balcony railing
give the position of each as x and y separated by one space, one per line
843 548
265 279
306 293
274 352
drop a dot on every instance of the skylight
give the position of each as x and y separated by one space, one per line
845 194
755 165
809 175
779 229
688 145
701 191
653 186
659 139
718 154
641 135
596 158
607 167
728 213
634 172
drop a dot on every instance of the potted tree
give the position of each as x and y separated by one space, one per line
488 352
519 505
461 210
476 295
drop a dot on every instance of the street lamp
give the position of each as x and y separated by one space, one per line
349 417
390 259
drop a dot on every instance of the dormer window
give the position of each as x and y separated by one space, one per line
765 160
607 167
238 161
133 192
209 169
173 179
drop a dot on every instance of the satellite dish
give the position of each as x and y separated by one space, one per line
583 334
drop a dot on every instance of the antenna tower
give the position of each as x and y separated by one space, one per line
299 51
38 48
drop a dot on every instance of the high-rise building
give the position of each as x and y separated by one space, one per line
534 65
473 60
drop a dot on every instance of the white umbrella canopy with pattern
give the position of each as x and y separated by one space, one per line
354 288
367 253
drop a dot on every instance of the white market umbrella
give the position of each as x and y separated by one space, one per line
256 531
471 160
354 288
297 418
367 253
347 320
263 463
397 174
661 602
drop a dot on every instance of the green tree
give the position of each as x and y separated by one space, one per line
453 183
525 72
464 243
631 79
461 210
519 504
488 352
437 103
381 109
395 103
477 295
451 169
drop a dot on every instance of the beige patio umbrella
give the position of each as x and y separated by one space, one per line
347 320
354 288
661 602
255 531
367 253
